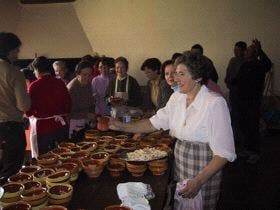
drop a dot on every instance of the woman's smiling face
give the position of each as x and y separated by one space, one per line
184 79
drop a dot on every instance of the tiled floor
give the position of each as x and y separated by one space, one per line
246 186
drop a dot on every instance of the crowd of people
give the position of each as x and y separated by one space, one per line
182 93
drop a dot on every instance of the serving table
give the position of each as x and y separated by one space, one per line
97 193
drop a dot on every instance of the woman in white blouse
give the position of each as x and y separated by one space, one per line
200 120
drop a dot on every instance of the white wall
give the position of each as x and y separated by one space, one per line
52 30
139 29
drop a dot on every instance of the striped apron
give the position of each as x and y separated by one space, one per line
190 159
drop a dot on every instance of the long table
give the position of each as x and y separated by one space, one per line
97 193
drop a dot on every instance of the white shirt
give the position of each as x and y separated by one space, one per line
205 120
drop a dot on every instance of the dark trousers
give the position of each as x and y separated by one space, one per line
248 118
13 143
49 141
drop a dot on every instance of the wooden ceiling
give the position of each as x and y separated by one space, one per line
44 1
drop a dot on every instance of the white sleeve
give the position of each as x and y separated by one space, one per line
161 119
221 139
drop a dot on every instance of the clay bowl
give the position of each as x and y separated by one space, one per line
18 206
20 177
82 155
158 170
35 197
136 168
106 138
128 146
12 190
116 159
58 151
116 142
60 194
47 159
73 168
31 185
62 176
92 132
121 137
65 156
116 169
93 168
67 145
89 147
112 148
42 174
82 143
159 162
102 143
117 207
29 169
75 149
102 157
54 207
75 161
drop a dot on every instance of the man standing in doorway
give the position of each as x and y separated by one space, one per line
14 101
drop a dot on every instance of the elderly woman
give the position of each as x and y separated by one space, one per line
61 72
124 88
200 121
157 90
83 104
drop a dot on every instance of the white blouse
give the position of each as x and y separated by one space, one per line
205 120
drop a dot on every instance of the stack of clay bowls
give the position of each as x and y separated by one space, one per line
12 192
60 194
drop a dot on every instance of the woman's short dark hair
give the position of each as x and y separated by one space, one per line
199 47
152 63
42 64
8 42
123 60
197 66
105 61
163 66
241 45
82 65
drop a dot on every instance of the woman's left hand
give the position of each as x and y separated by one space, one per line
191 189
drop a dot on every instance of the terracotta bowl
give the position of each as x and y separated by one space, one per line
68 145
29 169
93 168
102 157
102 143
116 142
116 169
31 185
137 169
58 151
117 207
116 159
82 143
73 168
65 156
92 132
89 147
54 207
82 155
18 206
75 161
62 176
106 138
35 197
112 148
121 137
158 170
76 149
12 190
159 162
128 146
60 194
20 177
42 174
47 159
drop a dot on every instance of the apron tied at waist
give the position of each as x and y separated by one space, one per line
33 131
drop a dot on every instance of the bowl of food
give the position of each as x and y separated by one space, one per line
128 146
121 137
102 157
61 150
106 138
35 197
158 170
82 155
20 177
18 206
29 169
12 190
42 174
89 147
117 207
73 168
101 143
75 149
60 194
112 148
67 145
62 176
116 169
136 168
75 161
47 159
114 158
93 168
54 207
31 185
